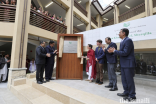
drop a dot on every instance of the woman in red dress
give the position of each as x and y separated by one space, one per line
91 64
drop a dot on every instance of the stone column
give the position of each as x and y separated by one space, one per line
19 42
99 20
88 9
116 14
149 7
69 18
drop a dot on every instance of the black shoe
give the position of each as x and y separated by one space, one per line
43 81
109 86
100 83
39 82
122 94
47 80
51 79
130 98
113 89
97 82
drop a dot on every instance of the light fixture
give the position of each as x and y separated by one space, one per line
48 4
105 19
127 6
80 24
79 2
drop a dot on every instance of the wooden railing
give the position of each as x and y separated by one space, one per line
7 13
132 12
39 20
154 3
75 31
111 22
80 8
94 21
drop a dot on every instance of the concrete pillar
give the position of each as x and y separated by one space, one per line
99 19
88 9
116 14
19 42
69 18
149 7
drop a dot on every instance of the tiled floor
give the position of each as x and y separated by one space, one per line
141 91
6 97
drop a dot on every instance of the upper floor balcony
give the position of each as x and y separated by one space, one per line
94 21
80 7
45 22
127 10
154 3
7 13
132 12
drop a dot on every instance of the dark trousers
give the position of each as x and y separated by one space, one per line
99 71
112 75
49 70
128 81
39 72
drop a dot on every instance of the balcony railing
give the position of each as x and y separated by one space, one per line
154 3
7 13
132 12
75 31
94 21
111 22
39 20
80 8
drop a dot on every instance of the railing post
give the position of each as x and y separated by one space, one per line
88 9
19 41
149 7
116 14
69 18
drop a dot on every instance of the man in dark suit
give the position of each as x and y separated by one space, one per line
50 60
127 62
143 67
99 57
111 63
40 62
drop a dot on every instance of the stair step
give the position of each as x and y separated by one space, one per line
30 95
68 95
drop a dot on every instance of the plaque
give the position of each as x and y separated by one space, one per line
70 47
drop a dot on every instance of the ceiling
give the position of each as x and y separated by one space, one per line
109 15
77 22
83 3
94 12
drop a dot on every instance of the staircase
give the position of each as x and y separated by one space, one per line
29 92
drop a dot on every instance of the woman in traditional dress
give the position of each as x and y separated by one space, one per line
32 67
91 64
4 67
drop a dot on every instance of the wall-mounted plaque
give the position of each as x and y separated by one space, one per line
70 47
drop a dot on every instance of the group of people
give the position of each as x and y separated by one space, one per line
45 58
4 65
46 13
13 2
95 62
143 68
